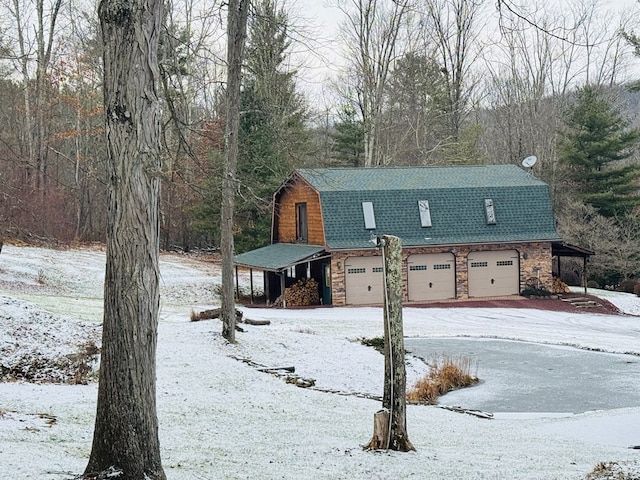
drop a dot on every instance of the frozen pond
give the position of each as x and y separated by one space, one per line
530 377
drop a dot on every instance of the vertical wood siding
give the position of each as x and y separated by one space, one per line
285 223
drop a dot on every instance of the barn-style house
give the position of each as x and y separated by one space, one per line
466 232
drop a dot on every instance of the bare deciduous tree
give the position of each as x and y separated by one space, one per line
372 29
236 35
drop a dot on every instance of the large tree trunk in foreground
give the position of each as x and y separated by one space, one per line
126 430
236 34
390 423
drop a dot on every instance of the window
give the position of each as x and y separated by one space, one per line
504 263
490 211
377 270
369 217
357 270
302 235
415 268
442 266
425 213
479 264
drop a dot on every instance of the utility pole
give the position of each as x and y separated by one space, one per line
390 423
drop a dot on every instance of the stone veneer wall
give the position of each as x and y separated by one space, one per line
535 265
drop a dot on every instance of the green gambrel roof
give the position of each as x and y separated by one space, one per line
456 197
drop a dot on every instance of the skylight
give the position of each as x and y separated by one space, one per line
369 216
425 213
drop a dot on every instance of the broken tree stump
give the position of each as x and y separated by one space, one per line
392 435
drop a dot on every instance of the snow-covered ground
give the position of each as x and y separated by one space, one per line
221 418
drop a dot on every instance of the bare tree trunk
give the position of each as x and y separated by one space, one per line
236 34
126 430
393 436
24 71
373 31
452 26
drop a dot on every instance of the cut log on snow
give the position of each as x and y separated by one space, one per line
214 313
248 321
276 369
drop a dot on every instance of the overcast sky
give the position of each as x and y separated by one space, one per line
320 19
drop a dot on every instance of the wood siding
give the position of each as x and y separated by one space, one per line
285 213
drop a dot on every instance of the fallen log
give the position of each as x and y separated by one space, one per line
468 411
276 369
212 314
248 321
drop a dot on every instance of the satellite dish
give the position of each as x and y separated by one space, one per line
529 161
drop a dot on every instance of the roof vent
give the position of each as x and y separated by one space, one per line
369 217
425 213
490 211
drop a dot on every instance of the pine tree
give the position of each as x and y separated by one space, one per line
273 138
348 138
594 145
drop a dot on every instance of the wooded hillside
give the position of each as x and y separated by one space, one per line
414 83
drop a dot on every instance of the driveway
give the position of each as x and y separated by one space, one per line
536 378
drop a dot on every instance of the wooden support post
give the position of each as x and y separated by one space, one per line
237 284
282 288
251 283
394 401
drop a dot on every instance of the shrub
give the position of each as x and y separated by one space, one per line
593 284
446 374
375 342
531 291
628 285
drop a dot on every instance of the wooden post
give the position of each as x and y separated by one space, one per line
394 435
237 284
251 283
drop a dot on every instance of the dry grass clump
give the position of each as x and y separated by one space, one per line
446 373
614 471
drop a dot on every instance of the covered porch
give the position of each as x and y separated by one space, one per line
282 265
561 250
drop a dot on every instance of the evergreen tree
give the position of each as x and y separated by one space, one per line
594 145
273 137
348 138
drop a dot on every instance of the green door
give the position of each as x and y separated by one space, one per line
326 284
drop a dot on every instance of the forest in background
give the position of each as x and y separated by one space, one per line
431 82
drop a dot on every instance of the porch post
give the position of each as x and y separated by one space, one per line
237 285
251 283
282 286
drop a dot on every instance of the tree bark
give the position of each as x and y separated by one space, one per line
236 34
394 401
126 429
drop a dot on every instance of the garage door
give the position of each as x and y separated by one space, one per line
494 274
431 276
364 281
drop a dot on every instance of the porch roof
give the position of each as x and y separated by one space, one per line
279 256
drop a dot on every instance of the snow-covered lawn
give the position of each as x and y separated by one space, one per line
221 418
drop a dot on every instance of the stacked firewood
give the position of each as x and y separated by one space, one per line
305 291
558 286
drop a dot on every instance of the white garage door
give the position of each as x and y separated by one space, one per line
494 274
363 281
431 276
